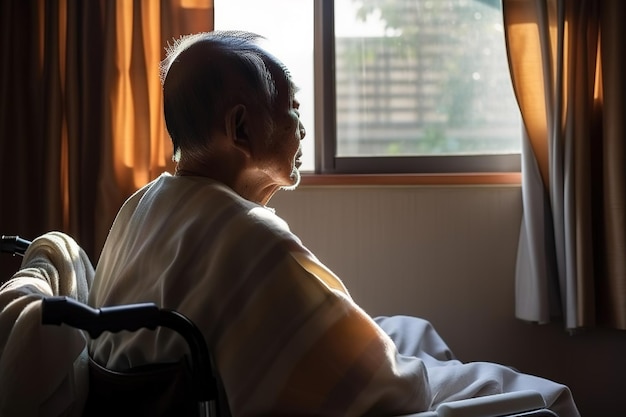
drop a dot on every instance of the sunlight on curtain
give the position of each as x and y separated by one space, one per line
531 40
135 92
82 125
64 174
570 260
141 147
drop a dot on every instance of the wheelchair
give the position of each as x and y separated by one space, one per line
190 387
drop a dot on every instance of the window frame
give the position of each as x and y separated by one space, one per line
326 161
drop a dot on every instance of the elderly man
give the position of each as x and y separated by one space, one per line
285 334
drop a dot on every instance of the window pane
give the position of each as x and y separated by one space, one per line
288 27
423 77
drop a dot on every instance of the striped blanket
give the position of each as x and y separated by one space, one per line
287 338
286 335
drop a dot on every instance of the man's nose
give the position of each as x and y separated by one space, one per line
302 131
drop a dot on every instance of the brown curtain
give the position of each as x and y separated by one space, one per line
567 65
80 110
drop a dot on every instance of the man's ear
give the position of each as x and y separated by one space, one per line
238 128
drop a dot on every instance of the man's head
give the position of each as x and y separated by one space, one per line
227 98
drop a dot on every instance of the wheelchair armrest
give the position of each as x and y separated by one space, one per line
506 404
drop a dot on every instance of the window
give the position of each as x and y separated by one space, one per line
393 86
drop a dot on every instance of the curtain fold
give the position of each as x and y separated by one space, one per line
80 110
566 57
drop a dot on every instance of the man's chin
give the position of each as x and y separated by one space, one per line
295 180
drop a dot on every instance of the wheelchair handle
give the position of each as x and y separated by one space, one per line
95 321
66 310
14 245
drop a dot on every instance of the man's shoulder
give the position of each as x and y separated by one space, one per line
201 200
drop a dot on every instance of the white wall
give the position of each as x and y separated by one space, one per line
447 254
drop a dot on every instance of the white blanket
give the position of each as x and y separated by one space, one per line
451 380
43 369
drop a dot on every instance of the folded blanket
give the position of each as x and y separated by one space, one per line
43 369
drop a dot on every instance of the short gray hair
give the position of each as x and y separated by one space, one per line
204 74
